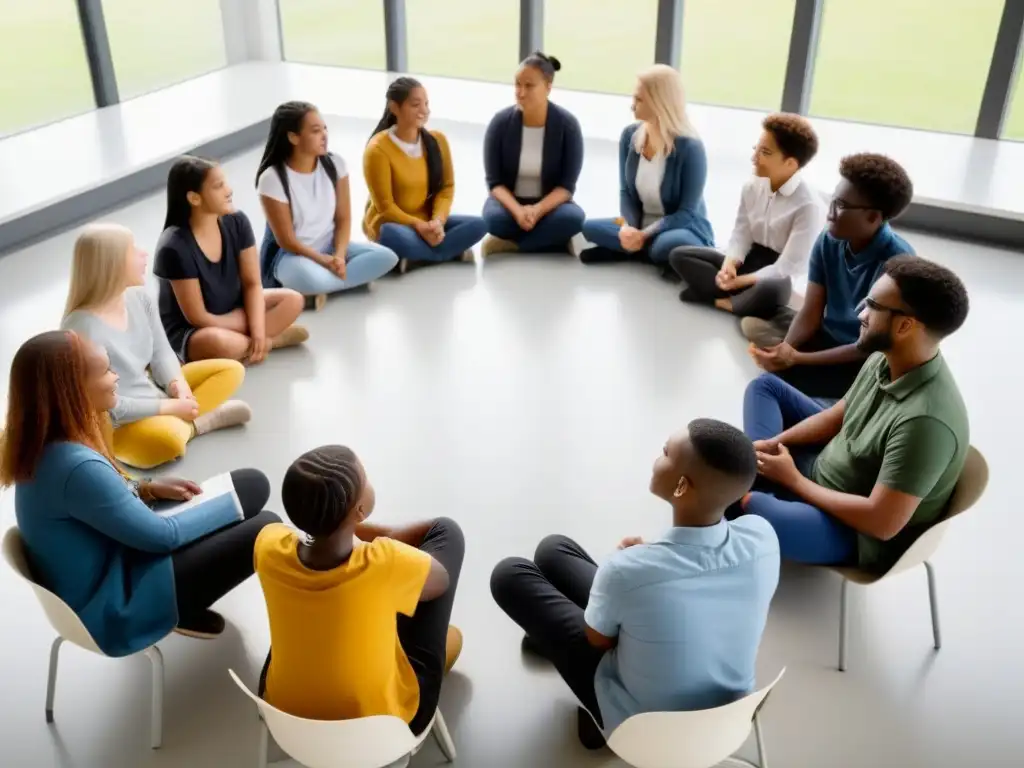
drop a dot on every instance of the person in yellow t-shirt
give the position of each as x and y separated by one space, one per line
411 182
359 613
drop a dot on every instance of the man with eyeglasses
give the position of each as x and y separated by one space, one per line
856 483
818 352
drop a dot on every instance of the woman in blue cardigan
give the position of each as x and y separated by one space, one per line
533 153
90 533
662 169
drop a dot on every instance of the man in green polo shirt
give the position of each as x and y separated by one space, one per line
859 482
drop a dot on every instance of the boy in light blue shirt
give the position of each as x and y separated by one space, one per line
667 625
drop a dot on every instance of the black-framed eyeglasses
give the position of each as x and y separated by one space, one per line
837 205
874 306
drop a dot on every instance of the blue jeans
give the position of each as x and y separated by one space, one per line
460 234
604 233
365 262
806 533
552 233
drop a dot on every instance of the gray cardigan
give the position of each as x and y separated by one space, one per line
134 354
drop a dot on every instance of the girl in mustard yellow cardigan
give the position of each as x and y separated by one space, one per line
411 182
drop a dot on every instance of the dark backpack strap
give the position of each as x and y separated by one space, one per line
330 168
284 182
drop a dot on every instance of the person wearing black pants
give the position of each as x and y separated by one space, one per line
699 268
547 598
666 626
207 569
777 221
333 596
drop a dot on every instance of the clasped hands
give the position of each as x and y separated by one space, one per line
631 239
527 216
774 359
728 280
183 403
431 231
775 463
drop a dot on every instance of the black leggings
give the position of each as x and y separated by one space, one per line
424 635
547 598
209 568
698 268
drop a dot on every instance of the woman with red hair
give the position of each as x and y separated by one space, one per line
90 535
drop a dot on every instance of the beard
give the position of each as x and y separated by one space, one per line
879 341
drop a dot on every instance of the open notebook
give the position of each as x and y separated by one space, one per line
219 490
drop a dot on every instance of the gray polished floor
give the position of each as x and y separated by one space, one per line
528 396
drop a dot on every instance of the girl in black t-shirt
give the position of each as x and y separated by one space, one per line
212 300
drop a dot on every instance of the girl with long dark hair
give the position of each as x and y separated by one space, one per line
89 531
533 154
212 301
409 173
304 191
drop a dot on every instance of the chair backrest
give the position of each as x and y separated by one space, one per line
64 620
365 742
969 488
698 739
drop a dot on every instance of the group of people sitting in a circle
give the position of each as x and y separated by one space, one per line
852 441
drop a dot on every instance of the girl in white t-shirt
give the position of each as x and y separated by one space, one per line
304 191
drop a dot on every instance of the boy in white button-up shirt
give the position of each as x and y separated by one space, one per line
778 220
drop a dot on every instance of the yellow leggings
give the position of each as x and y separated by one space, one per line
153 441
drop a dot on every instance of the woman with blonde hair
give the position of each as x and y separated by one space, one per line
160 405
662 170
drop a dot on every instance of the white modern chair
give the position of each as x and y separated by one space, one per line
969 489
365 742
70 628
699 739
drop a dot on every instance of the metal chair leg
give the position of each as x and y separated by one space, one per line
762 756
933 598
264 748
156 659
443 738
843 629
51 680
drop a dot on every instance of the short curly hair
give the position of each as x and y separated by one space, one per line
935 295
794 136
881 180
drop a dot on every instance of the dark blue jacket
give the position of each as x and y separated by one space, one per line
563 149
682 189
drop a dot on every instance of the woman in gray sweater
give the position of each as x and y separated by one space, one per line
161 405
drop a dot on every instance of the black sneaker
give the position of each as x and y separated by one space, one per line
599 255
530 647
590 735
203 626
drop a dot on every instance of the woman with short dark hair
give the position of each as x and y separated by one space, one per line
533 154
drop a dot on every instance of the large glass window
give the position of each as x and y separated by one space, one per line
44 74
156 43
343 33
735 52
1013 127
602 44
477 39
913 63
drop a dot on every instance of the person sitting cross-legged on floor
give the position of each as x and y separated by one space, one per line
358 612
818 353
161 405
212 301
780 216
668 625
662 171
533 153
858 482
411 180
304 191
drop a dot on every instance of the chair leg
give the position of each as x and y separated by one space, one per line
51 680
443 738
762 755
843 629
264 749
156 713
933 598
